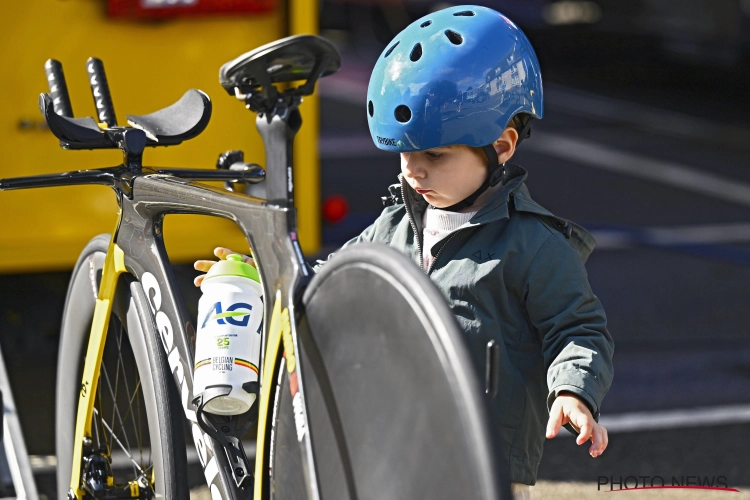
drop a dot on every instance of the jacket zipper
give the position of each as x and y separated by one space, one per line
416 233
441 249
407 204
510 198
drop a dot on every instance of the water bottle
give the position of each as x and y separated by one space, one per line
227 347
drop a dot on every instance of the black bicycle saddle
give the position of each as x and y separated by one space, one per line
299 57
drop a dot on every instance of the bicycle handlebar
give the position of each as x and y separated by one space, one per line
103 176
248 77
172 125
116 176
58 89
105 110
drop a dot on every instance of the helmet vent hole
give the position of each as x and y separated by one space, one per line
416 53
370 108
454 37
425 24
403 113
391 49
465 13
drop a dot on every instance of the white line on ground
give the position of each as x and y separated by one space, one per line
588 153
703 234
351 88
670 123
591 154
360 146
672 419
582 151
579 150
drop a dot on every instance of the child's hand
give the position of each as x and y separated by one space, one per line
220 252
568 408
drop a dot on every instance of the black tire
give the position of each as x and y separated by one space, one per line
137 397
394 403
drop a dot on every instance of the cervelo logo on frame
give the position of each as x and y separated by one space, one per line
166 332
232 316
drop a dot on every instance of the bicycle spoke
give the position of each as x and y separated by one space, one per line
100 417
149 478
136 425
149 474
121 364
138 471
97 423
118 425
124 419
117 378
130 407
122 446
140 429
115 410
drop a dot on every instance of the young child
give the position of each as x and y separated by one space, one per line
454 94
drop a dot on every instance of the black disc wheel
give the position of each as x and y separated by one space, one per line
395 407
137 431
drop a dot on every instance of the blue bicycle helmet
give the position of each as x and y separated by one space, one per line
457 76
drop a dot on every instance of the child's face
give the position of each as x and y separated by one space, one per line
444 176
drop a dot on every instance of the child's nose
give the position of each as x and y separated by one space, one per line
411 166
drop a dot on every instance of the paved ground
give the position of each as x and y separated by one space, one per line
570 490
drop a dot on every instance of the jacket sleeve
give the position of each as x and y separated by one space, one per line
370 234
571 323
366 235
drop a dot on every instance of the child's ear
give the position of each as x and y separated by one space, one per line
505 145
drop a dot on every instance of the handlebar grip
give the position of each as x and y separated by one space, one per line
58 89
100 89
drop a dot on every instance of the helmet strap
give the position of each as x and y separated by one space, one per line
496 174
525 131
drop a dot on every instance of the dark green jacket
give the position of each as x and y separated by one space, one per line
515 273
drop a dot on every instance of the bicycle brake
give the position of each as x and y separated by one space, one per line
98 481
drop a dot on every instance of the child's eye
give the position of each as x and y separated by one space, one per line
433 156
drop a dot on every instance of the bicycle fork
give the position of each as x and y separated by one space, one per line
97 466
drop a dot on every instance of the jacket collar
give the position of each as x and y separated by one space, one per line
497 208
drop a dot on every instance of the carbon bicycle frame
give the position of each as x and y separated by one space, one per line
146 196
270 233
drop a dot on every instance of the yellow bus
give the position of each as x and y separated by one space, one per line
153 51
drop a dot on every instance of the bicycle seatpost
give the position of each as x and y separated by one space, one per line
58 89
278 131
105 110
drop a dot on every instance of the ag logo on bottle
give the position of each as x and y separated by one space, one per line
232 315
